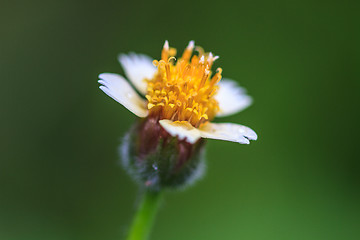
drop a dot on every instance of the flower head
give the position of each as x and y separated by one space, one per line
180 98
182 95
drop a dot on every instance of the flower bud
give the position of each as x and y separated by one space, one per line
157 161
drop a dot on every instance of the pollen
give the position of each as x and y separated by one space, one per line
183 89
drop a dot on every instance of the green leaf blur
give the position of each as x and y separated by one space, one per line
60 173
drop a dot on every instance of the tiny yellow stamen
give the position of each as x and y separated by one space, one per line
183 89
188 51
165 51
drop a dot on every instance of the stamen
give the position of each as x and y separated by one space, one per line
204 78
162 63
210 58
168 75
200 50
165 51
166 45
172 51
186 71
188 51
155 63
172 58
182 90
202 59
216 78
191 45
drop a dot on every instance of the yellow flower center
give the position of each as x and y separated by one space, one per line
184 90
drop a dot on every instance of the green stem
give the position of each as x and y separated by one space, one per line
145 215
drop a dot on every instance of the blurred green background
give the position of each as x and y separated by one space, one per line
60 176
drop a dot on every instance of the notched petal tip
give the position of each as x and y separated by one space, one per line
221 131
251 135
243 141
228 131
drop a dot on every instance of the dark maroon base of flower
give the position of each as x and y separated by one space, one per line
157 160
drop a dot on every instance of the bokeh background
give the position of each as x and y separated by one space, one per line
60 176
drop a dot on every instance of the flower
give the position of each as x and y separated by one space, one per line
182 95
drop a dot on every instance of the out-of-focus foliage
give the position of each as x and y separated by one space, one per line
60 174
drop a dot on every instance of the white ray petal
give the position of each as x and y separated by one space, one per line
121 91
182 130
221 131
137 67
228 132
231 97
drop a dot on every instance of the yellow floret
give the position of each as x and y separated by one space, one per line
182 90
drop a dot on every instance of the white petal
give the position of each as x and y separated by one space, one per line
231 97
228 132
137 67
121 91
182 130
221 131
